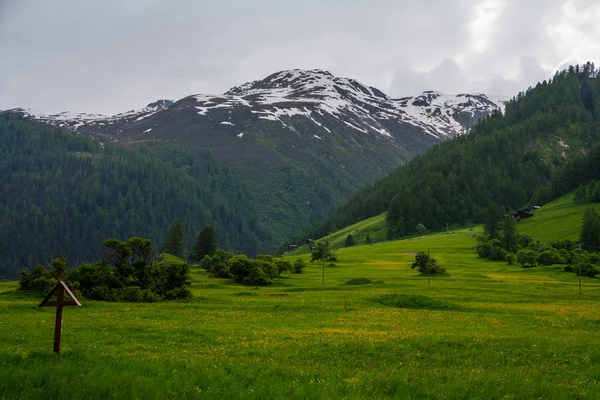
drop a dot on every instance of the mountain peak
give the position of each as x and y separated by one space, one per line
160 104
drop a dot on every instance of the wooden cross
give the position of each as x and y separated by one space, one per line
59 304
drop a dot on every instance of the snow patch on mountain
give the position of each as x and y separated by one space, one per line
328 102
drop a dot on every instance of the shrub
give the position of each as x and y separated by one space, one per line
40 279
491 250
170 275
526 258
510 259
587 269
565 256
250 272
132 294
525 240
257 277
549 257
298 266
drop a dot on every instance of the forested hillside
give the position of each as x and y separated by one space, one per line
517 159
62 193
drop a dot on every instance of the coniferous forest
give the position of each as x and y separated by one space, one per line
544 145
63 194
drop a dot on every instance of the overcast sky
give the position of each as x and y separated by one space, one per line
110 56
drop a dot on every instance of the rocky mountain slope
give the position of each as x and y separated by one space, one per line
302 141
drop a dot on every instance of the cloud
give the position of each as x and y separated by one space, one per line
112 56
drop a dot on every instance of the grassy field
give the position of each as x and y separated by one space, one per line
560 219
487 330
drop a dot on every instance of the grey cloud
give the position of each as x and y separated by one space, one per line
110 56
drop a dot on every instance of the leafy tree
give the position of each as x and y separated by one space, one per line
323 253
426 264
59 267
510 236
206 243
171 277
527 258
175 240
581 194
590 229
368 239
349 241
421 229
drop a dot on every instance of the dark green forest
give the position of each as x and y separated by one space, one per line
63 194
540 148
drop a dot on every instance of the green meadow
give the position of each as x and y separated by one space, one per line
486 330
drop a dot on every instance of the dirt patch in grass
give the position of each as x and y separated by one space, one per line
359 281
414 302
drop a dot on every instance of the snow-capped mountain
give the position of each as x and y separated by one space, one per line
300 140
315 96
73 121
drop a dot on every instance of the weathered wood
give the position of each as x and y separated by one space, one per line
60 302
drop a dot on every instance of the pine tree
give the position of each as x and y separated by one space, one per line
590 230
206 243
580 194
493 219
175 240
349 241
510 237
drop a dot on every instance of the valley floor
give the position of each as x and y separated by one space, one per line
486 331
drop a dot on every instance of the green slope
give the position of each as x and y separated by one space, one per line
545 145
557 220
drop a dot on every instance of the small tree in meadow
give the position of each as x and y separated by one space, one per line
421 229
323 253
349 241
426 264
298 266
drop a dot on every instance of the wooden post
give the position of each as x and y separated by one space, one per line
428 269
60 302
58 323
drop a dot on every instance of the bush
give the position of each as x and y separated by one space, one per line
565 256
526 258
40 279
170 275
132 294
587 269
491 250
298 266
257 277
549 257
510 259
525 240
251 272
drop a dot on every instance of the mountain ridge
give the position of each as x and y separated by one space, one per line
292 92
